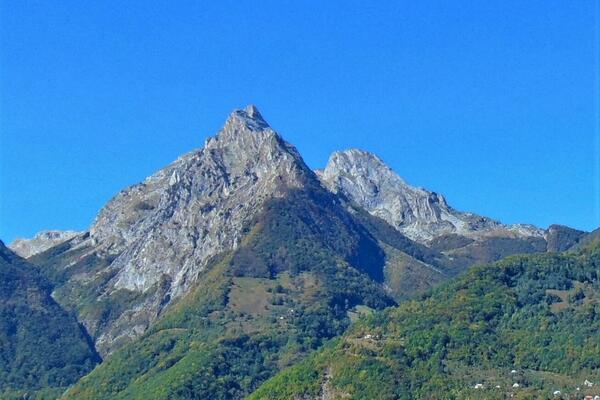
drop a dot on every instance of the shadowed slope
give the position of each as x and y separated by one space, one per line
41 346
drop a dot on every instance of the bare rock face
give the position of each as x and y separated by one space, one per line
178 218
159 235
40 242
421 215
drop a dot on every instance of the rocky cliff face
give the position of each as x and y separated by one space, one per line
421 215
41 242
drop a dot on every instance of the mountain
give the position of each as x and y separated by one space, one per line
363 179
587 239
41 345
291 266
237 241
421 215
294 282
237 260
153 242
525 327
41 242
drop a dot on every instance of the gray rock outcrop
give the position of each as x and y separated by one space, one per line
40 242
421 215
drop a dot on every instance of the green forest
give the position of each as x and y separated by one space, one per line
525 327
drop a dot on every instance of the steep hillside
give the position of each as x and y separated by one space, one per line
41 346
587 240
561 238
526 327
304 268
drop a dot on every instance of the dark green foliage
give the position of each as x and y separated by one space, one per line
475 329
562 238
41 346
305 265
304 231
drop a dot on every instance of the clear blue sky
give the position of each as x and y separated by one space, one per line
491 103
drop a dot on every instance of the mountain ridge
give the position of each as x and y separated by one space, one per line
420 214
41 242
241 240
152 241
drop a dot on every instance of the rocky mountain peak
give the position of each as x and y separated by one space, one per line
422 215
247 135
208 194
356 162
248 118
365 179
253 112
160 234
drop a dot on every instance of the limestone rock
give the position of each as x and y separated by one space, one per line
422 215
40 242
158 236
